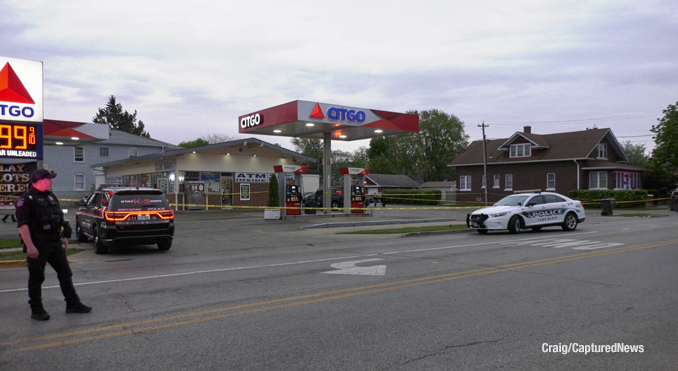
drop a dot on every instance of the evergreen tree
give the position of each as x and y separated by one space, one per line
273 200
118 119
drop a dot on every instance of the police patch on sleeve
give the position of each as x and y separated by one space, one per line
20 202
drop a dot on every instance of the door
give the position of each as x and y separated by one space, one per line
557 206
536 211
226 191
92 211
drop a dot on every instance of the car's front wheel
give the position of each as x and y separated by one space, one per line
335 205
570 222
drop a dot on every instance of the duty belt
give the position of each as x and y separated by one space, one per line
45 237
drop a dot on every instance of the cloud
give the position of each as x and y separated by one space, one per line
202 64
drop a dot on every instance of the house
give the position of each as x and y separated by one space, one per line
377 183
70 148
72 161
589 159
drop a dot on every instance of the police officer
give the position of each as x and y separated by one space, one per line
40 221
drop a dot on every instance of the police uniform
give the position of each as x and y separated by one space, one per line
41 212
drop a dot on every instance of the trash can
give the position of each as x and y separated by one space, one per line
607 205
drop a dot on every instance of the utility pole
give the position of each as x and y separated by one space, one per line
483 126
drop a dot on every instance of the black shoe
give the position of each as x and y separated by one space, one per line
78 307
39 314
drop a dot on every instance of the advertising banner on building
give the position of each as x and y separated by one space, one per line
15 179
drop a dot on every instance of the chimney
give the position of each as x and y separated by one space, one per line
527 129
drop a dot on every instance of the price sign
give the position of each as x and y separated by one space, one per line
20 140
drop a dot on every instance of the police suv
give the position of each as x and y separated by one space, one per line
125 215
528 210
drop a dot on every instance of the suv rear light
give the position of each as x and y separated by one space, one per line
119 216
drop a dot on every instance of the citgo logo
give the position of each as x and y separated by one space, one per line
12 90
339 114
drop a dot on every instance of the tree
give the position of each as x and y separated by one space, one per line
636 154
206 139
382 165
194 143
665 152
310 148
217 138
273 200
118 119
360 157
380 146
425 155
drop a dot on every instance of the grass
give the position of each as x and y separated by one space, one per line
8 243
411 230
20 255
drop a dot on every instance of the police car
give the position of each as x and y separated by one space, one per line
125 216
528 210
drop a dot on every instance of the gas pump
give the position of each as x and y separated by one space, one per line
291 194
354 194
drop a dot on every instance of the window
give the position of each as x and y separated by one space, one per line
79 154
520 150
552 199
508 182
625 180
79 182
536 200
496 181
602 150
465 183
103 152
551 181
598 180
133 152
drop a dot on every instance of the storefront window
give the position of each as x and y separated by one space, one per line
212 181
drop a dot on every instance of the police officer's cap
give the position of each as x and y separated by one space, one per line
41 174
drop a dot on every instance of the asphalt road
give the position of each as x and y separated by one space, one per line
247 294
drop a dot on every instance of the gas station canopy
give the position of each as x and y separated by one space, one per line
312 120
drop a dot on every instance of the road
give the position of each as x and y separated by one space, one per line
246 294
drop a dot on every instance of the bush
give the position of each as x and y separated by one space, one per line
623 199
412 196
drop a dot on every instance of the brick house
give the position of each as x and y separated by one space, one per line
589 159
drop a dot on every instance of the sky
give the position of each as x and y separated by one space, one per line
190 68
